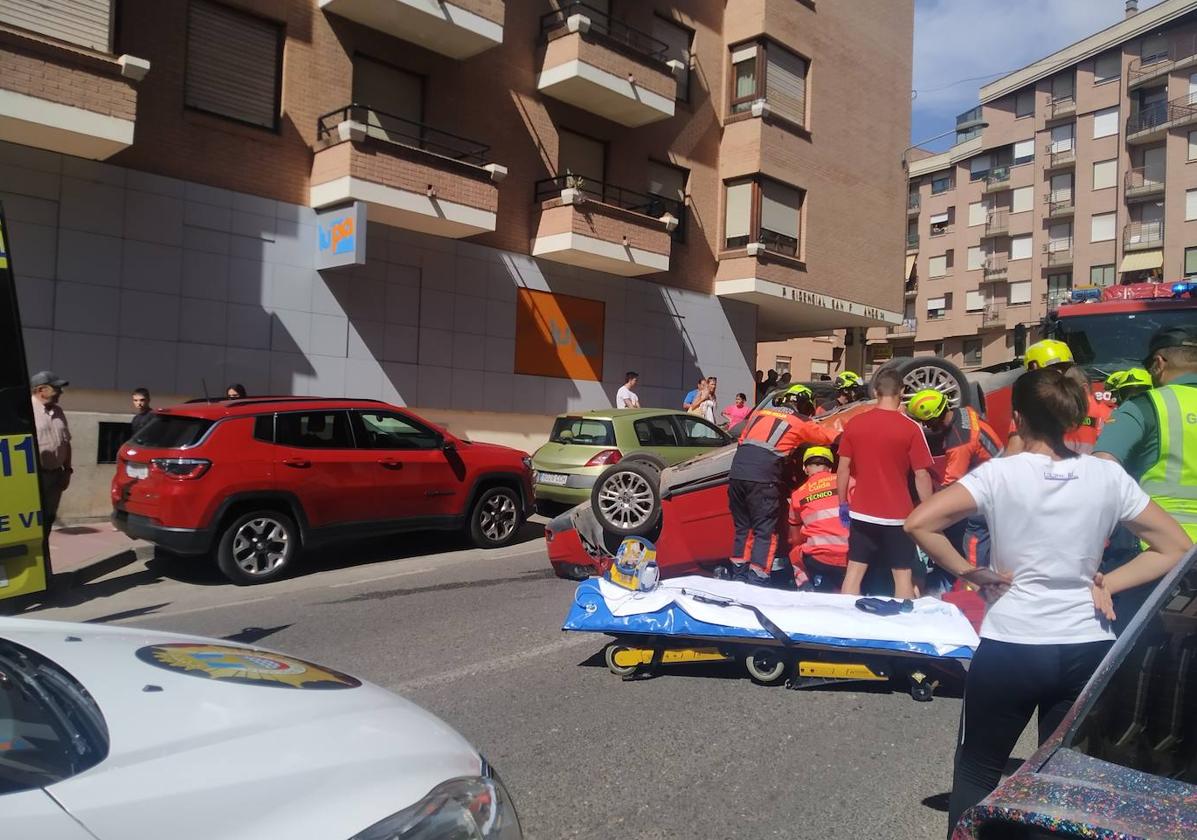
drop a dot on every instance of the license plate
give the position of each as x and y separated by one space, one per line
552 478
137 470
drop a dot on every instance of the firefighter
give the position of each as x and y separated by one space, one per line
1125 385
819 539
1048 353
849 388
753 489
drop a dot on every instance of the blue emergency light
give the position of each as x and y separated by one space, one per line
1184 287
1085 295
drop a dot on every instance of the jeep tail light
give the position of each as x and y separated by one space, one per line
182 468
604 458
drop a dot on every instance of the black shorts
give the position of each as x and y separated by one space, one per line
885 546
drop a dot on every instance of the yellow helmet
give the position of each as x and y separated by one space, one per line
1133 378
848 379
1047 352
927 404
818 452
1116 379
797 391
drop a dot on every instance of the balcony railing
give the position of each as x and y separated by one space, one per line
1162 115
997 179
1057 158
1062 107
402 132
555 24
1158 64
997 223
1054 300
907 327
1140 183
912 241
613 195
778 242
993 316
1058 253
1137 235
1058 205
913 202
969 118
995 267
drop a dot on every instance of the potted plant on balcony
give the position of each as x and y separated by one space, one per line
572 194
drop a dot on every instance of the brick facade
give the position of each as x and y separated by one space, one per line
66 75
595 49
492 10
603 221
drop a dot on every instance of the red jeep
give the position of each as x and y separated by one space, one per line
254 480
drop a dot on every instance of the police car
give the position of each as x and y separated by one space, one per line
110 733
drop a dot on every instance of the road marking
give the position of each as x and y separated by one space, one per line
156 616
487 666
442 565
388 577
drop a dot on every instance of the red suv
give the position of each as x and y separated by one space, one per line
254 480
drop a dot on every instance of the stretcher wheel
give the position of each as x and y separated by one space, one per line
609 653
765 666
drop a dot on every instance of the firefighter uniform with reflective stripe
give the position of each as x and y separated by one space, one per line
967 443
1083 438
770 434
814 510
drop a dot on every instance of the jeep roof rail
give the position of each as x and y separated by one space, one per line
243 401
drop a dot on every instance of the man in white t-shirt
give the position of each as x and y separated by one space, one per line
626 397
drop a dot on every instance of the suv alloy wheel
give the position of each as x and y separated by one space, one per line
495 518
257 547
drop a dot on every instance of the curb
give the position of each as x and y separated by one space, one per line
62 582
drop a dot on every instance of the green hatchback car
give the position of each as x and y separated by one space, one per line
583 445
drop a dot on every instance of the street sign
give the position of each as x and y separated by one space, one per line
341 236
23 547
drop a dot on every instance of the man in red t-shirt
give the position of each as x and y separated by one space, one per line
879 450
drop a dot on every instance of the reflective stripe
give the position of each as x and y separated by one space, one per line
817 515
825 540
1172 480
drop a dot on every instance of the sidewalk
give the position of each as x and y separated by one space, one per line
82 553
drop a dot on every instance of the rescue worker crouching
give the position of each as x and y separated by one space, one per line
1124 385
819 540
849 388
1082 439
754 493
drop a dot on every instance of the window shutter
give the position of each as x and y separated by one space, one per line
1024 198
976 214
738 216
1059 237
1062 137
1063 86
785 84
974 301
1102 227
1105 174
1020 292
678 42
1062 187
780 207
976 257
937 266
578 155
939 219
1107 66
978 164
1105 123
1190 205
1020 247
666 181
232 64
936 303
83 22
1024 149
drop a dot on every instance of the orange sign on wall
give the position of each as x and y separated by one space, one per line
559 335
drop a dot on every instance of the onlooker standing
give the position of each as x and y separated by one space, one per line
626 397
53 441
235 392
703 403
738 411
880 449
142 411
769 385
760 386
688 400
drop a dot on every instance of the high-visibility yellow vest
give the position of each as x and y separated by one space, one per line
1172 480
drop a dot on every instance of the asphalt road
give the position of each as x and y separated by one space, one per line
475 637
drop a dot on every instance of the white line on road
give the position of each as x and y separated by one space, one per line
441 565
503 663
172 614
388 577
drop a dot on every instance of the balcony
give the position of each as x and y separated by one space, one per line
906 328
993 318
1060 108
1054 300
1057 254
995 268
1059 206
1141 185
997 223
409 175
74 98
913 202
603 227
998 179
972 118
1153 122
1060 158
456 28
1175 57
604 66
912 242
1142 236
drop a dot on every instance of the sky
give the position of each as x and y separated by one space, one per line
958 40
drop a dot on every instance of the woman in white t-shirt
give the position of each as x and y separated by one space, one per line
1050 512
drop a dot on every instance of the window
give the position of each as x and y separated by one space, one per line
745 76
1059 237
976 257
583 430
819 369
583 156
1020 292
1107 66
1024 103
974 301
1024 198
111 437
781 364
698 432
669 182
1024 151
1101 275
940 223
784 75
1192 145
393 98
1105 122
978 167
764 211
937 266
679 41
1062 137
1102 227
1105 174
172 431
234 64
1020 247
737 221
1190 262
939 348
655 431
314 430
941 183
1153 48
938 307
976 213
1061 189
1190 205
972 351
385 430
1064 86
1059 288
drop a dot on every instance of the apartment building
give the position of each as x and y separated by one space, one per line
487 211
1077 170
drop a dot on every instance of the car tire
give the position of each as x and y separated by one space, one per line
654 461
933 372
257 547
626 499
496 517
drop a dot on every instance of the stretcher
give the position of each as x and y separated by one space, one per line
801 639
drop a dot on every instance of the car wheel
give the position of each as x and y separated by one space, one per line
495 519
765 666
257 547
626 499
932 372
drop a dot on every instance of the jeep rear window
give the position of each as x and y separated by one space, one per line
170 431
583 430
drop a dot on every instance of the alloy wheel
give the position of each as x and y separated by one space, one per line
626 500
498 517
260 546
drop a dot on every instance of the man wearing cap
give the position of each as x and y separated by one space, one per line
53 441
1154 435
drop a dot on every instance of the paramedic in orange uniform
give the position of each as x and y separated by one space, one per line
819 539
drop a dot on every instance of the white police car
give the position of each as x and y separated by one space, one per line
110 733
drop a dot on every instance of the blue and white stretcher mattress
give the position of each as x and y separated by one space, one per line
932 628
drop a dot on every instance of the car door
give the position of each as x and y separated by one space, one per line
696 436
317 462
418 478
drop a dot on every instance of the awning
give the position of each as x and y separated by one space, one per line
1141 261
910 258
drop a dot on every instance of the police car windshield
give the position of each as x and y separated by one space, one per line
1117 340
